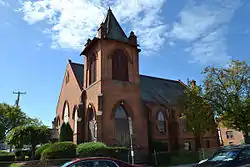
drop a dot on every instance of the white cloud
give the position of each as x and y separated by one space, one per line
171 43
203 25
39 45
211 48
72 22
3 3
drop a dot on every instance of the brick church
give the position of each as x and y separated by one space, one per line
100 97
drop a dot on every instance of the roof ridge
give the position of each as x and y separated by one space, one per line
159 78
114 29
118 24
77 63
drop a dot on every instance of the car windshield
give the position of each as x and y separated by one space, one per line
224 155
66 164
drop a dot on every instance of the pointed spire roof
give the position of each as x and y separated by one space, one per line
114 30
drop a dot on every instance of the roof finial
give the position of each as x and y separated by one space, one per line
109 9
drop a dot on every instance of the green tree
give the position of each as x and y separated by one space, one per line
228 91
66 133
197 116
11 117
2 133
28 135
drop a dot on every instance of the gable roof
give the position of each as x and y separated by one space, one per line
78 70
114 30
153 89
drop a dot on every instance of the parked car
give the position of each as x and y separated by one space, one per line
235 156
98 162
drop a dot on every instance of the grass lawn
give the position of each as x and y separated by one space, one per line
15 165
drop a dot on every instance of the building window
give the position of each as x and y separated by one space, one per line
75 121
183 122
58 123
187 146
92 69
67 77
120 66
66 113
229 134
161 122
121 127
87 78
100 102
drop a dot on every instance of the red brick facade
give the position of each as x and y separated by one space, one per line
135 95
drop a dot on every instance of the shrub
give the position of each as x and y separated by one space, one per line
100 149
89 148
21 154
18 153
118 153
160 146
6 156
40 149
14 165
184 157
66 133
59 150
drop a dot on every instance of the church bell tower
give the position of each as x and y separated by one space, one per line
112 85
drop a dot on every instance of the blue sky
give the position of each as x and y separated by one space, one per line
177 40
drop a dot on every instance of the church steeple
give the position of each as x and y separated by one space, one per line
111 29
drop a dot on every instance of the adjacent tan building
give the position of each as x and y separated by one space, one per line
230 136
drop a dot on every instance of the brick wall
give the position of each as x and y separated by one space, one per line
71 93
236 138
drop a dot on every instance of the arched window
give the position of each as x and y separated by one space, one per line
121 126
161 121
120 113
58 123
183 122
120 66
67 77
75 120
92 69
66 113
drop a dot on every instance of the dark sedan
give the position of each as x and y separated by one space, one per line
238 156
98 162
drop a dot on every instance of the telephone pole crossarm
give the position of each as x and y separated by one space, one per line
18 97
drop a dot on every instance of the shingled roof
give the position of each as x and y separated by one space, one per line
78 70
153 89
159 90
114 30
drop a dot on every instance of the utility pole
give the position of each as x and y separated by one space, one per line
18 97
